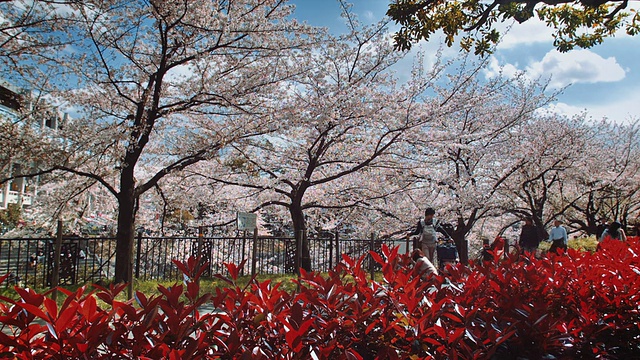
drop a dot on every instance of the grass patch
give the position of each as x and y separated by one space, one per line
209 285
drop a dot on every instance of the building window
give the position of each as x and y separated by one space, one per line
28 185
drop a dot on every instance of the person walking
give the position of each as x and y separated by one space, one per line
613 232
529 237
427 229
558 237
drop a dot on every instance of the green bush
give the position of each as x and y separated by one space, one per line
580 243
584 243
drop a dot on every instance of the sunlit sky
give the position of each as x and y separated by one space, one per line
604 81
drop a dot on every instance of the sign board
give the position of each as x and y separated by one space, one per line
246 221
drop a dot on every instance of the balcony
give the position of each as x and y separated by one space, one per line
14 196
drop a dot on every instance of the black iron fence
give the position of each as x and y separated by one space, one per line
30 262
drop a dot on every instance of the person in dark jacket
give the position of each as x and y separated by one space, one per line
529 237
427 229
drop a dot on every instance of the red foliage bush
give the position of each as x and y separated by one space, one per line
574 305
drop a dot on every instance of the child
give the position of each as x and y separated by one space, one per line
423 266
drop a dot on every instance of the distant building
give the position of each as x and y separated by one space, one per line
15 103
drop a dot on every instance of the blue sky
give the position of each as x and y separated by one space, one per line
604 81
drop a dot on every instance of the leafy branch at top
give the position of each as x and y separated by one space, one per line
580 24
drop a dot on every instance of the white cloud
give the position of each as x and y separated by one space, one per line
495 69
179 73
578 66
369 16
530 32
621 111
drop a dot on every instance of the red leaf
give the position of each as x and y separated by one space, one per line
456 318
29 296
352 355
455 337
66 316
88 308
375 256
182 266
234 271
34 310
52 308
505 337
439 330
140 298
82 347
296 315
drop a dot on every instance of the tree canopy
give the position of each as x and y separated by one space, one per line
179 113
156 87
580 24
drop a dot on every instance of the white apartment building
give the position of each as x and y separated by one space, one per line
14 103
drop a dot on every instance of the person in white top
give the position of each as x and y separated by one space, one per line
558 237
423 267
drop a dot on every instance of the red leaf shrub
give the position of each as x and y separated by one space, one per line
574 305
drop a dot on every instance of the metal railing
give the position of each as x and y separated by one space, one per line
30 262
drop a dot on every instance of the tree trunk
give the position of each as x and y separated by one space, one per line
303 257
126 233
537 221
594 227
458 235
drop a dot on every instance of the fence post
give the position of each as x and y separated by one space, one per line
130 271
331 250
200 242
138 252
201 260
55 277
464 252
305 240
338 253
253 252
407 239
244 249
371 261
298 261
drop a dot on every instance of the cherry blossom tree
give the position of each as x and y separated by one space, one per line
28 35
547 154
26 28
339 124
24 133
623 168
328 171
75 200
609 181
155 87
465 153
